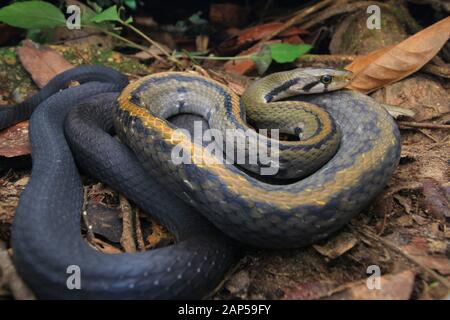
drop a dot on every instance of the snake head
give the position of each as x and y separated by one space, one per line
316 80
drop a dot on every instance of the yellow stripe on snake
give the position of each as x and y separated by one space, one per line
347 148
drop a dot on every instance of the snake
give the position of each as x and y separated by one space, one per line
351 139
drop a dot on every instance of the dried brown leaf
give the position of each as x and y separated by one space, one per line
337 245
104 247
435 201
388 65
42 63
392 287
14 141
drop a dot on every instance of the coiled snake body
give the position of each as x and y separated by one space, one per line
46 235
243 207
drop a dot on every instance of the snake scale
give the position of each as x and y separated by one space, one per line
351 140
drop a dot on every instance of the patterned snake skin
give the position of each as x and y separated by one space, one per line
242 206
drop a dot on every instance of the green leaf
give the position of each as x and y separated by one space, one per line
110 14
262 59
87 14
130 4
285 52
32 15
38 35
195 19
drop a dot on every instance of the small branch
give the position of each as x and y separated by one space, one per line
338 9
440 71
127 239
249 56
105 247
10 278
429 136
132 44
148 39
423 125
297 19
336 60
346 58
139 235
153 42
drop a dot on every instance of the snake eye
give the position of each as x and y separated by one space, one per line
326 79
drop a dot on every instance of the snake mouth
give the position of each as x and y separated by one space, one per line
341 79
348 77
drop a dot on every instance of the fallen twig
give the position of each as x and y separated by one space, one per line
422 125
338 9
139 236
134 45
10 278
154 43
309 60
440 71
297 18
429 136
127 239
105 247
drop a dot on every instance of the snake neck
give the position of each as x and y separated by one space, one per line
275 87
263 106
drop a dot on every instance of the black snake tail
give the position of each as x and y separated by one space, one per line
46 236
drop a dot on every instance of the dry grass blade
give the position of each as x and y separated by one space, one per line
297 18
388 65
